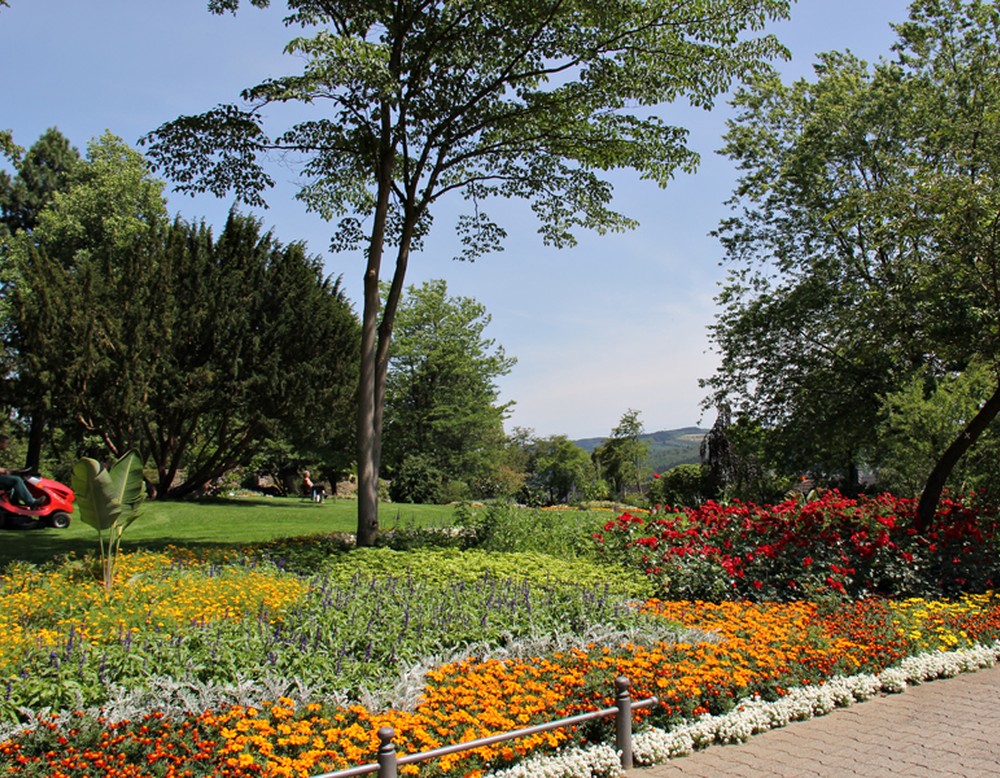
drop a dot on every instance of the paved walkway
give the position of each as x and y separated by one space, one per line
944 728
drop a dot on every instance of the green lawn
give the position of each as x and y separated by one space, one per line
217 522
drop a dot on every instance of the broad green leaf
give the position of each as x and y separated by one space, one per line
95 494
129 489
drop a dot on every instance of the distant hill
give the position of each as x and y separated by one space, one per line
667 448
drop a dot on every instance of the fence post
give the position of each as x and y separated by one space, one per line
623 720
386 753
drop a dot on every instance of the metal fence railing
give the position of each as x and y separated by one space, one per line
388 761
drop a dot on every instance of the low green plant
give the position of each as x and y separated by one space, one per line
559 533
367 617
109 501
449 565
455 491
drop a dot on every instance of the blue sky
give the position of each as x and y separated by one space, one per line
618 322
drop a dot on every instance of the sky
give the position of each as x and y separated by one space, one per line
618 322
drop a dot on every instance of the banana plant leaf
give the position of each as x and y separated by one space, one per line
109 497
129 487
95 493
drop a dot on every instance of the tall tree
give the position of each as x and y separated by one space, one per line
59 208
865 246
809 268
155 336
442 401
489 99
45 169
621 456
739 461
559 467
254 343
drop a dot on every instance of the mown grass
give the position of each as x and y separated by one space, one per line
217 522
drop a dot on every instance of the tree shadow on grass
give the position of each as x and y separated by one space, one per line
48 546
43 544
291 501
40 545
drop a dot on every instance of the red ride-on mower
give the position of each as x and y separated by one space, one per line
53 512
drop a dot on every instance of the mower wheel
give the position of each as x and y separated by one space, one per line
58 519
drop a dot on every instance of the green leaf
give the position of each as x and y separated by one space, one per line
128 487
95 494
109 498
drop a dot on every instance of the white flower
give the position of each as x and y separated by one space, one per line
601 761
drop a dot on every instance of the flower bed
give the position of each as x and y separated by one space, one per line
232 666
756 650
795 550
753 716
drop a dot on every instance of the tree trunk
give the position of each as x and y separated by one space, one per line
853 477
383 339
368 426
367 467
35 435
927 507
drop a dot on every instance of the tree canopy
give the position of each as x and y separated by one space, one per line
134 332
73 220
620 458
44 170
864 245
559 467
417 99
924 416
442 401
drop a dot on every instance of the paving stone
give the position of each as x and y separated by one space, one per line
949 728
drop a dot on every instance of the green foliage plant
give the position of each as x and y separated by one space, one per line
109 501
418 481
564 533
863 244
683 485
450 565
